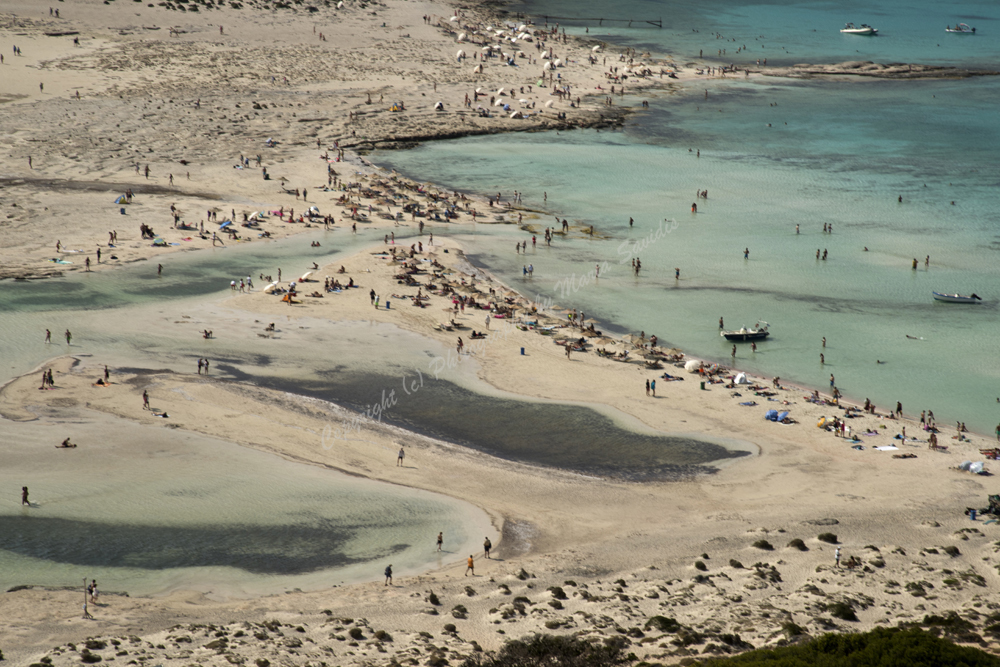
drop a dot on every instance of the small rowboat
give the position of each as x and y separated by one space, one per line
957 298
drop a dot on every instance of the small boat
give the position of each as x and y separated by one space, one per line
743 335
961 29
957 298
863 29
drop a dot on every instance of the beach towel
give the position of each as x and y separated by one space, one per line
888 448
749 403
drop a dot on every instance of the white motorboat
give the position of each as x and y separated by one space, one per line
743 335
957 298
863 29
961 29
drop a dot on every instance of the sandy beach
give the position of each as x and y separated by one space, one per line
742 552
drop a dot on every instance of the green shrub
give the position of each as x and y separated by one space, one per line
842 610
383 636
433 599
450 627
699 565
798 544
663 624
792 630
355 633
882 647
829 538
952 551
549 650
557 592
763 544
735 564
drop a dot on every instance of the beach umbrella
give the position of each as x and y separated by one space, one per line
549 103
521 27
477 69
523 101
460 53
462 37
340 5
499 91
692 366
453 19
546 67
498 103
596 48
558 62
516 114
545 55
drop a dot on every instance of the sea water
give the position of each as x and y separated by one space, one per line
776 154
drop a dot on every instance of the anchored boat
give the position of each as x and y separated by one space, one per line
863 29
957 298
744 335
961 29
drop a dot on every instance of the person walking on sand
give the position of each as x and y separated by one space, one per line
470 566
652 387
199 366
69 337
487 545
388 574
440 541
48 336
145 400
647 386
836 556
400 457
107 373
24 496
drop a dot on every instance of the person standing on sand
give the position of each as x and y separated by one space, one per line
24 496
107 373
145 400
647 386
652 387
388 574
199 366
470 566
487 545
836 556
440 541
400 457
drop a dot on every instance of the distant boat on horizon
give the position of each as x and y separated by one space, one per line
863 29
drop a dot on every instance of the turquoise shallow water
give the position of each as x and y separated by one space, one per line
775 154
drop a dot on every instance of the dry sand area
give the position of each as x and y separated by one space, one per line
714 555
165 89
703 564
